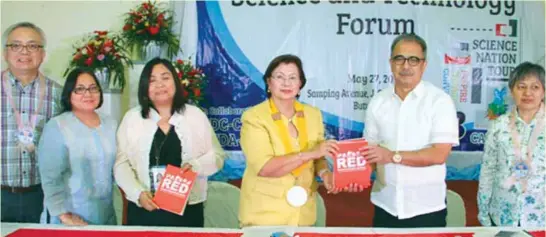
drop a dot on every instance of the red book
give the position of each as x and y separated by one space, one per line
174 190
350 166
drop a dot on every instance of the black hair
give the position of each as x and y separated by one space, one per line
179 101
286 59
70 85
410 38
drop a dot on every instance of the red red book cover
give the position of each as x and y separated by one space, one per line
350 166
174 190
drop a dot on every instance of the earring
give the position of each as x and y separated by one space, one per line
268 91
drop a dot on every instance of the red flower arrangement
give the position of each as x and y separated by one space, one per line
149 22
102 50
192 78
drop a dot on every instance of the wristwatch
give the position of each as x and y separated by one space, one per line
397 158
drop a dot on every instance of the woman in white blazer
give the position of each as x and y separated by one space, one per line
163 130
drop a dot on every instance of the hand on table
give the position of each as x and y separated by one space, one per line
71 219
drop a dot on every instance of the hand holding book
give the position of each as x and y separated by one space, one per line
326 148
328 179
376 154
185 167
354 188
146 201
352 172
174 189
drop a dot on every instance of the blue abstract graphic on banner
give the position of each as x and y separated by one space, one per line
236 84
345 52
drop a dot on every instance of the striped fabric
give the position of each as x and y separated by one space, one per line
19 167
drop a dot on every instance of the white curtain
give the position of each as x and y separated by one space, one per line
185 17
532 13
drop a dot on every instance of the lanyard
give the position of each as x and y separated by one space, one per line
522 166
301 126
7 90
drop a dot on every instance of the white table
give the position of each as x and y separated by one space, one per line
8 228
266 231
476 231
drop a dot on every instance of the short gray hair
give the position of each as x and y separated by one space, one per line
524 70
410 38
25 24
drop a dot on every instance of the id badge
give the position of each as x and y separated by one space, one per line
25 135
156 175
521 170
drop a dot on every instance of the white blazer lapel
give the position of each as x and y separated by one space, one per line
149 127
181 126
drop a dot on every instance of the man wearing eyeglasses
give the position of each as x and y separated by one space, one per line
411 128
29 100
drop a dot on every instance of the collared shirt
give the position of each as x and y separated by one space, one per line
506 203
19 167
425 117
76 164
135 135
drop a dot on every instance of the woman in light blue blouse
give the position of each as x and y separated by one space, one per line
76 156
513 173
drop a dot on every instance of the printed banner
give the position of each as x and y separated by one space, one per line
345 49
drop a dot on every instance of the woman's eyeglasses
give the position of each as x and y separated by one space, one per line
81 90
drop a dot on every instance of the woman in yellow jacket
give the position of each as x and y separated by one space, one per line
283 141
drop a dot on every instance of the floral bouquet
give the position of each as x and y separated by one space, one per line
192 78
148 23
102 51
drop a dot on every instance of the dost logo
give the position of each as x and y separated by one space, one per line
507 30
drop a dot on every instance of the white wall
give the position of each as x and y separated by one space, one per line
65 22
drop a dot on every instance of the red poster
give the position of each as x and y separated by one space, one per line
174 189
350 166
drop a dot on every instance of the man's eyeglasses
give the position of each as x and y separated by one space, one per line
412 60
81 90
19 47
